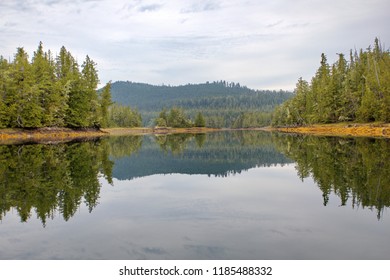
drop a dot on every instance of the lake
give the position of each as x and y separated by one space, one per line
222 195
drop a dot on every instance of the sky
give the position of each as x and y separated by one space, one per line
258 43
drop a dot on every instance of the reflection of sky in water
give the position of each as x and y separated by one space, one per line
262 213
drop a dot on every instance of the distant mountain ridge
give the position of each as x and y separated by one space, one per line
223 99
145 96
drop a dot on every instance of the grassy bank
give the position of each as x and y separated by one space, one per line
57 135
342 129
46 135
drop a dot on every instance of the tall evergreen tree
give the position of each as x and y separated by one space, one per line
70 79
4 82
105 102
320 88
90 82
45 80
25 107
199 120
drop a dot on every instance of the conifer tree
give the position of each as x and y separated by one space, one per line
199 120
90 82
320 88
70 79
44 78
4 81
25 108
105 102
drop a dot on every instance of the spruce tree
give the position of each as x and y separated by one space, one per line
45 80
90 81
4 82
24 99
105 102
199 120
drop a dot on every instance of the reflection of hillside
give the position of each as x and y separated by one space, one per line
218 154
354 169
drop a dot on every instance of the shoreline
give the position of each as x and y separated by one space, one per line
157 131
48 135
53 135
340 129
59 135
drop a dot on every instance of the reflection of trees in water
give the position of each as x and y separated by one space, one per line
49 179
212 154
353 168
120 146
52 178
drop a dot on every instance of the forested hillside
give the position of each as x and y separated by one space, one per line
223 104
354 90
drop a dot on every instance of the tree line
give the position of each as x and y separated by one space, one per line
354 90
53 91
176 117
223 104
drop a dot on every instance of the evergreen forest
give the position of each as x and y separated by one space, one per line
51 92
355 90
220 103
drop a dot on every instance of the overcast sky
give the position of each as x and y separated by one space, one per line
264 44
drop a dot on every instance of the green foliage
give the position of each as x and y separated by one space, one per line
4 82
220 103
52 179
105 103
174 118
358 90
48 92
353 169
199 120
123 116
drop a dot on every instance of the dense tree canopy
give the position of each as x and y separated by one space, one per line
358 90
48 92
221 103
173 118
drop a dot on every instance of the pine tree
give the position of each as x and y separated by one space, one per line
25 108
4 82
90 81
73 89
199 120
320 88
49 95
105 102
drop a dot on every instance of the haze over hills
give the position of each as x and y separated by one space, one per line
221 102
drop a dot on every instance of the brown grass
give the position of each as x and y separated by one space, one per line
57 135
342 129
46 135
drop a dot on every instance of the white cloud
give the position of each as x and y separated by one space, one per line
262 44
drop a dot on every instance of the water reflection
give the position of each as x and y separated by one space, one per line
228 195
47 179
216 154
50 178
355 169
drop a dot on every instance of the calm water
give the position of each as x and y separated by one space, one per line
233 195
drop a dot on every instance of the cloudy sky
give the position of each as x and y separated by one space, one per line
258 43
